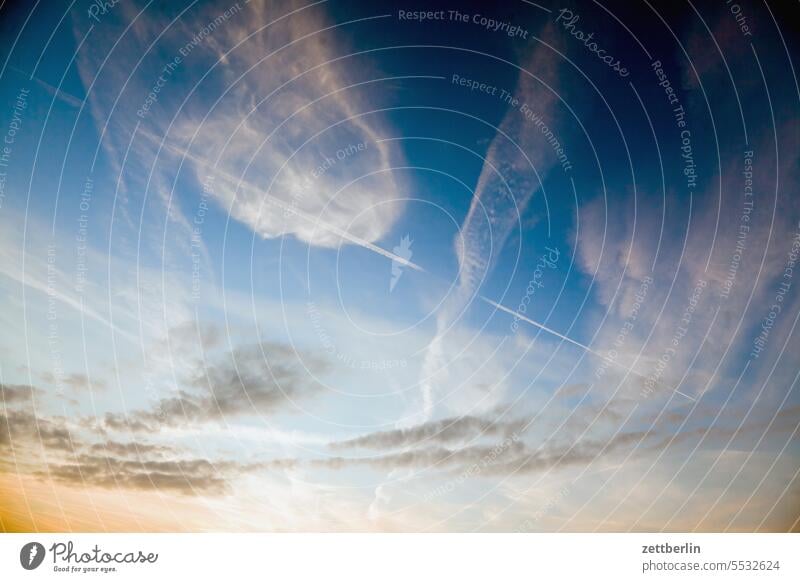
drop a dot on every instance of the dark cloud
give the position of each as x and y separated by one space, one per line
429 450
249 380
188 477
784 421
444 431
513 456
258 378
39 441
428 458
130 449
126 422
22 428
505 457
70 451
495 425
580 453
253 379
13 394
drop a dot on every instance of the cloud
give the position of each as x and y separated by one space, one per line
784 421
511 456
738 252
188 477
131 449
515 164
256 379
251 379
78 461
19 428
735 252
11 394
444 431
580 442
307 145
50 447
319 168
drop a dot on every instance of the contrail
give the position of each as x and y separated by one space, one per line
376 249
55 91
572 341
540 326
282 204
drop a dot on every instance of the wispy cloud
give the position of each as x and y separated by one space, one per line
78 454
188 477
444 431
514 167
250 380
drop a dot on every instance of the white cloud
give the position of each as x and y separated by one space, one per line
515 164
291 125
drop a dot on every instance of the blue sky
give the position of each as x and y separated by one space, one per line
287 266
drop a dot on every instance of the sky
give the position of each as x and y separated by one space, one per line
347 266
